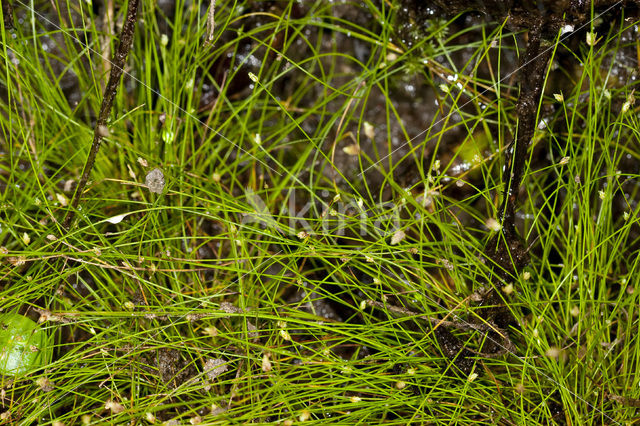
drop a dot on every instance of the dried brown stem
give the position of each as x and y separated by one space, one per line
117 68
501 343
532 73
506 250
211 23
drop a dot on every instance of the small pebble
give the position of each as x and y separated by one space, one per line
155 181
214 367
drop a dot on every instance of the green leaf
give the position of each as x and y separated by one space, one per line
24 345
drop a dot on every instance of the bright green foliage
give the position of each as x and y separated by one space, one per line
155 294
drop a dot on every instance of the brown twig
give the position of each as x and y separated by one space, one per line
107 27
211 23
500 339
532 73
117 68
506 250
